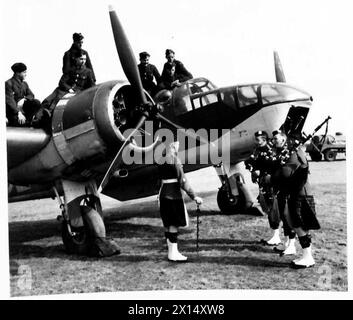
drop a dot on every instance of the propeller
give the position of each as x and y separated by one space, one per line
147 109
278 68
126 55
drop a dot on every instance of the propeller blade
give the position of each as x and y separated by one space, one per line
126 55
187 132
119 156
278 68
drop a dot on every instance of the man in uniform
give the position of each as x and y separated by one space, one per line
148 73
172 207
295 199
20 103
260 164
70 55
74 81
181 73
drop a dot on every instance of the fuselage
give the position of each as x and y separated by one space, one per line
89 128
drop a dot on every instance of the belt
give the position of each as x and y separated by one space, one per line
169 180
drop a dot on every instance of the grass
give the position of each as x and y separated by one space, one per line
229 256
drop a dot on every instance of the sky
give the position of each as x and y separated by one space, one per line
227 41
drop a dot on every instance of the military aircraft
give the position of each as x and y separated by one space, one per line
82 156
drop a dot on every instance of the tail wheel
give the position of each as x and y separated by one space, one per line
330 155
315 156
229 204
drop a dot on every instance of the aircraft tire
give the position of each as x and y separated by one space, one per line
228 206
330 155
315 156
79 243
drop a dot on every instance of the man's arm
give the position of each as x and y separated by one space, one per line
66 62
156 74
90 81
10 99
183 74
29 95
64 82
89 66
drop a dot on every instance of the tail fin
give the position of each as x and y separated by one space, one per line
278 68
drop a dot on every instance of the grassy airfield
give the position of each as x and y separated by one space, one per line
229 257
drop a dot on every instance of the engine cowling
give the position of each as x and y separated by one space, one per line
87 131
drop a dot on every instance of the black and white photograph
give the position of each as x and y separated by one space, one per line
175 149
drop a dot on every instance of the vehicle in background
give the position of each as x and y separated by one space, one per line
326 146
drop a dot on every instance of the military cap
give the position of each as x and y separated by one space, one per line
276 132
261 134
144 55
77 36
18 67
168 51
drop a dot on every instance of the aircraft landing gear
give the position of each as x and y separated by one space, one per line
233 196
83 229
229 203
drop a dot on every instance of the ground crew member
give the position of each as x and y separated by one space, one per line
148 73
71 54
20 102
172 207
291 179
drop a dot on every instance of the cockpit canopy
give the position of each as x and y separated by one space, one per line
200 92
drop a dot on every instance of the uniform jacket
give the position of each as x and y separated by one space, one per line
69 60
77 79
292 177
261 159
15 90
147 74
180 71
173 169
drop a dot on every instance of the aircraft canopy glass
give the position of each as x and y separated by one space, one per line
276 92
200 92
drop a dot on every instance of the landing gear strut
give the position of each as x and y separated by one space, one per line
233 196
83 229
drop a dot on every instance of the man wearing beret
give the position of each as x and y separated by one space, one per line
69 56
181 74
20 103
148 73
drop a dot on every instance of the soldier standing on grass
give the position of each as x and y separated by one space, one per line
295 198
172 207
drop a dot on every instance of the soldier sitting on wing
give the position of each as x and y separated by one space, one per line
76 80
20 102
69 58
148 73
180 69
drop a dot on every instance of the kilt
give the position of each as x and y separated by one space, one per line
302 213
173 212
